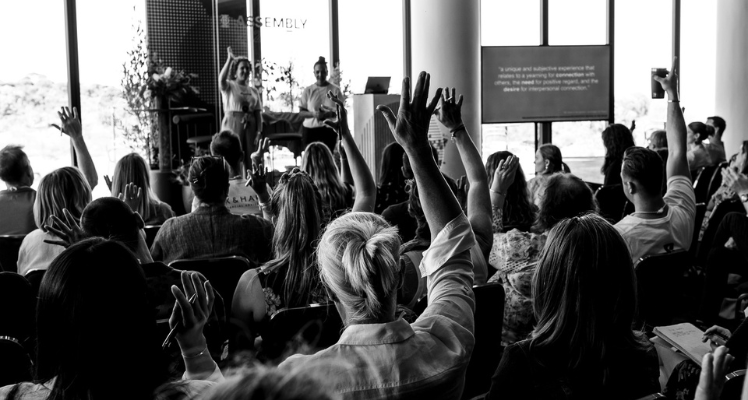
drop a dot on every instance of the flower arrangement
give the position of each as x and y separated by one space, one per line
167 82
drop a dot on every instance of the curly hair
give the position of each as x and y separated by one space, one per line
235 65
616 139
566 196
518 211
297 206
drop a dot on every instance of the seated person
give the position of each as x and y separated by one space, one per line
132 169
738 163
616 139
61 189
337 190
379 356
211 230
660 223
258 381
391 188
92 304
515 252
585 301
698 156
716 147
17 200
241 199
548 161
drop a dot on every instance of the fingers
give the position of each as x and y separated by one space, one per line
389 116
202 298
404 99
459 102
418 92
211 295
705 379
453 94
188 317
501 166
71 222
75 113
189 290
434 101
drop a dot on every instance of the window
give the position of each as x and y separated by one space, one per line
577 22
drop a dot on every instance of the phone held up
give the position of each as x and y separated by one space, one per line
657 91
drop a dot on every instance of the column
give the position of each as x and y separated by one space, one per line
731 78
445 42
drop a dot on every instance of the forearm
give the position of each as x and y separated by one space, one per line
85 162
224 74
366 189
478 199
304 113
437 200
345 171
677 163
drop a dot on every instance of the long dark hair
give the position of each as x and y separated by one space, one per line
392 162
581 322
92 302
552 153
518 212
701 129
616 139
297 206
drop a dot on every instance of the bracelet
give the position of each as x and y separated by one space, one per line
497 192
455 130
263 206
186 357
673 101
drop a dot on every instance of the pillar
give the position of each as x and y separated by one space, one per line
731 78
445 42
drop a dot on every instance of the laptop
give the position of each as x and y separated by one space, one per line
377 85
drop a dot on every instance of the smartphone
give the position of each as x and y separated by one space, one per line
657 91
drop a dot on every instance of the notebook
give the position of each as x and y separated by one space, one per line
686 338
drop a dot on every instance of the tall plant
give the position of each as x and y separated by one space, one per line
140 132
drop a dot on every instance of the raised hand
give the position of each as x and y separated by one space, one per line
504 175
449 111
263 144
670 82
341 125
191 317
131 196
108 181
69 231
230 53
257 179
411 125
713 370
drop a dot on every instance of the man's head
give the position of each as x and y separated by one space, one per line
227 145
110 218
15 168
642 173
718 123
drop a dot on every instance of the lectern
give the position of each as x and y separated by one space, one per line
372 132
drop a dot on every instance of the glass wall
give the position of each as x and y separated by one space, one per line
33 82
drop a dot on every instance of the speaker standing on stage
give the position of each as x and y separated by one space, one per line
242 105
316 107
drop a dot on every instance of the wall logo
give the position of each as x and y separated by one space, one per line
264 22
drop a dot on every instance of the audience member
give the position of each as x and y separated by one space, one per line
358 256
616 138
698 156
242 199
548 161
582 346
716 147
18 198
725 192
61 189
337 194
132 169
660 223
658 143
86 313
518 212
211 230
515 253
391 189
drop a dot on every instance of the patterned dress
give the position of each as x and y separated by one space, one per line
515 254
722 194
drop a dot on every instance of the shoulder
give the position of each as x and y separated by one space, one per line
26 391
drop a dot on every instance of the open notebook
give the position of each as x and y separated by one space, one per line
686 338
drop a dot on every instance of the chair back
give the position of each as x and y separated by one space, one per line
659 287
150 234
733 385
702 182
15 363
716 180
301 329
35 277
17 306
9 247
698 220
222 272
611 201
489 319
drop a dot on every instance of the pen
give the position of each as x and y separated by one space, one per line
173 331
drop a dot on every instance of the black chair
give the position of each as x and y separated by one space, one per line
716 180
611 201
35 277
702 182
733 385
9 247
718 213
489 319
15 363
222 272
700 212
301 329
660 279
695 174
150 234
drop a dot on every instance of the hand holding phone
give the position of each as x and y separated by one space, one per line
657 91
